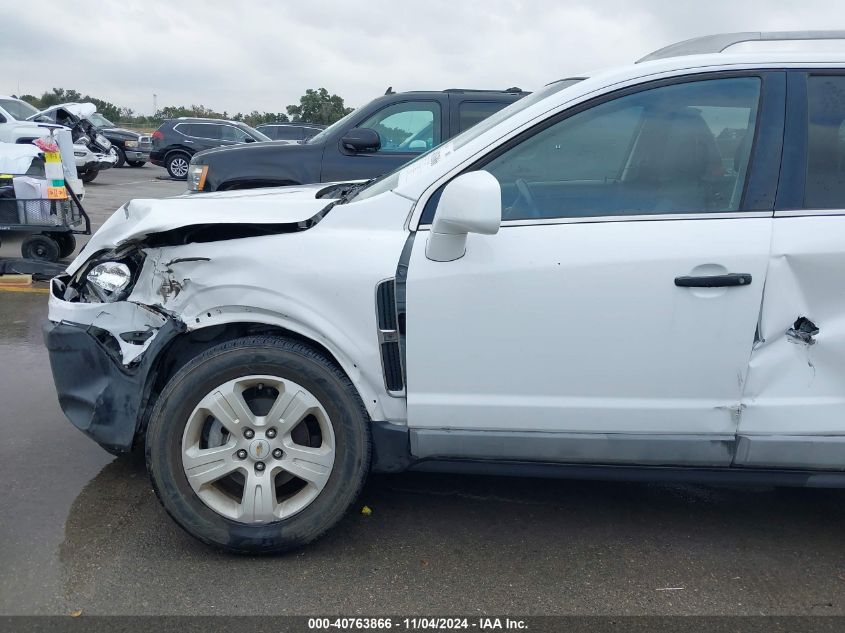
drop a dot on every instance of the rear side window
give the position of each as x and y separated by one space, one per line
285 133
825 184
472 112
200 130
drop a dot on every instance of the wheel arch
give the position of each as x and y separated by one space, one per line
178 150
190 343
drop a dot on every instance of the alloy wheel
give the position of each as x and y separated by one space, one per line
258 449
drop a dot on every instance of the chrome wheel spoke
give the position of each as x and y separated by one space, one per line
312 465
204 466
290 408
259 499
227 405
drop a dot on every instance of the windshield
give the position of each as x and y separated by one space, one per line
20 110
99 120
390 180
319 138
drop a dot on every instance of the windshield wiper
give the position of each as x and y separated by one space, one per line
352 191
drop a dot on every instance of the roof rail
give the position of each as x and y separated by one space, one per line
513 90
718 43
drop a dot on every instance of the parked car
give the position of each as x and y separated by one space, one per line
374 139
177 140
587 284
20 122
131 148
290 131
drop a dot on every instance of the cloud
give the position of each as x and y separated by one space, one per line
260 54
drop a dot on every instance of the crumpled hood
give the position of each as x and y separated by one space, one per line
140 218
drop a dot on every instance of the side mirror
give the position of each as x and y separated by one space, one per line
249 139
361 139
418 146
471 203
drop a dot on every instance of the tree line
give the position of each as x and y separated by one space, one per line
315 106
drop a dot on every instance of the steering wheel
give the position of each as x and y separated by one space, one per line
527 197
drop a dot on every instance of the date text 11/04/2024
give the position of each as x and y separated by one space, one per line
417 623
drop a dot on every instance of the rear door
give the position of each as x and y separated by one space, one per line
794 404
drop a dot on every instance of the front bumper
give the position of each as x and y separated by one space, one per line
96 162
137 155
102 381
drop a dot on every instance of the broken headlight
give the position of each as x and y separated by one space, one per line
109 280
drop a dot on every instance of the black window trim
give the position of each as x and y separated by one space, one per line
761 177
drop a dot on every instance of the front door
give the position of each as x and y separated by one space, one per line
612 317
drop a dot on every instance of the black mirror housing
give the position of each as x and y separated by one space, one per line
361 139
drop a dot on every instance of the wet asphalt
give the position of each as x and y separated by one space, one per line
80 529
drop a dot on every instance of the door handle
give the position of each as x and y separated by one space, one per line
714 281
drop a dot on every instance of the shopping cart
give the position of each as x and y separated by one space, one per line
52 225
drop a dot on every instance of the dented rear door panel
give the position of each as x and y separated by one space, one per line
796 379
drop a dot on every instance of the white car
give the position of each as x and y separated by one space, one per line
14 128
633 275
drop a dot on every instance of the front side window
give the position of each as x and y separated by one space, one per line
232 133
411 127
19 110
682 148
825 184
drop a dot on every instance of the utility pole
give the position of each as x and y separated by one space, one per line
155 103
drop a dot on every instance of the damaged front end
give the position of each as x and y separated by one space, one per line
120 303
102 347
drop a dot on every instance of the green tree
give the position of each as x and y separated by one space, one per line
318 106
31 100
59 95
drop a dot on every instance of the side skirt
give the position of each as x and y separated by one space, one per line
392 454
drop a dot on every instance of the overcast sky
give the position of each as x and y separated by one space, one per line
257 54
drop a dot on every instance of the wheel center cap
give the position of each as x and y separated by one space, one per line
259 449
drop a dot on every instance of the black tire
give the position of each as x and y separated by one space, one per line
40 247
242 357
88 175
66 242
121 156
175 167
136 163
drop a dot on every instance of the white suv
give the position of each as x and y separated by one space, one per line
633 275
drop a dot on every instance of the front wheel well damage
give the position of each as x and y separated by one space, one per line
191 344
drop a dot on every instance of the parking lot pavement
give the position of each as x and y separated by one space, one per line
81 529
106 194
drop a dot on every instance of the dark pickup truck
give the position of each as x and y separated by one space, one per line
372 140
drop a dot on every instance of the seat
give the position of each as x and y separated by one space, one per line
677 159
